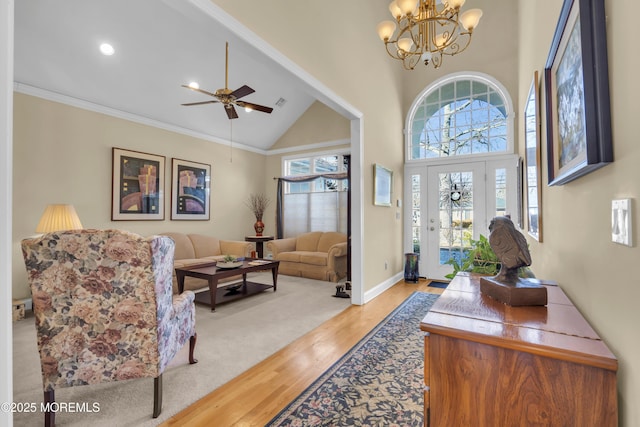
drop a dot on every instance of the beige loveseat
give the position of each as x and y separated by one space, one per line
315 255
194 249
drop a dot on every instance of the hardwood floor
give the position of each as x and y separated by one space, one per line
257 395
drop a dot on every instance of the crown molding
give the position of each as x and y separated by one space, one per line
315 146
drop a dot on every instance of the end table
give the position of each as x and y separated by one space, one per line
259 241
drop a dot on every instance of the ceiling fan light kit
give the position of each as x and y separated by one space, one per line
427 30
227 97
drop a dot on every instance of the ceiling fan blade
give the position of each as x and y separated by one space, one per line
200 90
254 106
200 103
243 91
231 111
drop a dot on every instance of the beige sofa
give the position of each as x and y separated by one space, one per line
316 255
194 249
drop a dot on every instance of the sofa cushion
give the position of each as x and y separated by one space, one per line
289 256
313 258
329 239
184 247
308 241
205 246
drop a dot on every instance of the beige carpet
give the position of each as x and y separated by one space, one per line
230 340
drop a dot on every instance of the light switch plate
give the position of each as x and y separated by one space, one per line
621 215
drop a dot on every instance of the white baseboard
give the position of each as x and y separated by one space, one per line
372 293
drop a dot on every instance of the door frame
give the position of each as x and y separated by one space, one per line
510 162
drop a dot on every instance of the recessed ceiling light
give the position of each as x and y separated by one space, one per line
248 109
107 49
194 85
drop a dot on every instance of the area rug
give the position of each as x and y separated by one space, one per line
379 382
235 337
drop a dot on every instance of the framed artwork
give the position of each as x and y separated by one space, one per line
190 190
578 113
138 186
382 181
532 161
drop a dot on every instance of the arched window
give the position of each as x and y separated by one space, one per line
461 114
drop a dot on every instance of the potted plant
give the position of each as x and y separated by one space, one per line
480 258
258 203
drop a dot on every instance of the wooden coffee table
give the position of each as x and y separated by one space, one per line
232 291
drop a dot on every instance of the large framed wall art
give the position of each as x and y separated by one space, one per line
577 93
190 190
382 182
138 186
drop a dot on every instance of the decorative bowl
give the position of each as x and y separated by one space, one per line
231 264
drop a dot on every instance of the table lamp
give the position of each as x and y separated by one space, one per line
59 217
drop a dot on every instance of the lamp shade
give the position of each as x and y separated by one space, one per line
470 19
386 29
394 9
456 4
407 6
405 44
58 217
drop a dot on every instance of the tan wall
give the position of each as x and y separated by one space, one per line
576 249
63 154
318 124
342 51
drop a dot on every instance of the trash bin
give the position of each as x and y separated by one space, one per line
411 273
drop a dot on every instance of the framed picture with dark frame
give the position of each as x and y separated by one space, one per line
137 186
578 113
190 190
382 182
532 160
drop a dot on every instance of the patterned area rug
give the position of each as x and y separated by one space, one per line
379 382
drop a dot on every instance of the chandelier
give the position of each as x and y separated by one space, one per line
427 30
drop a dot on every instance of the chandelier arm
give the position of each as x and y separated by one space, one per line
429 33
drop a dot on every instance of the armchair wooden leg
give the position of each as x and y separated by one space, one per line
157 396
192 346
49 416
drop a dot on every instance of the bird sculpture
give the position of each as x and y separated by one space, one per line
510 247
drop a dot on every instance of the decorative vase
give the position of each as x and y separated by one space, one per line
411 273
259 227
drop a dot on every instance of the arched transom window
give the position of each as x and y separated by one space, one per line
459 115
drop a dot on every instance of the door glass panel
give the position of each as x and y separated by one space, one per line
455 214
501 192
415 212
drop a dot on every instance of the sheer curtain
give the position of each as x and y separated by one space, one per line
313 211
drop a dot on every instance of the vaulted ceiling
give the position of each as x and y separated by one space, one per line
159 46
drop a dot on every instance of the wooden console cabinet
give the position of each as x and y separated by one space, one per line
490 364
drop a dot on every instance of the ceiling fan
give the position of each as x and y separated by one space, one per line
228 97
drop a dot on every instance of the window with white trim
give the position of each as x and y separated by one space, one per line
318 205
463 116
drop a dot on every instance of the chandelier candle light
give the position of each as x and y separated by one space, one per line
427 29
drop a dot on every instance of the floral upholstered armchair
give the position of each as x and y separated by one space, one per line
104 308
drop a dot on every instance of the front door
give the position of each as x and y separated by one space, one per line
456 213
